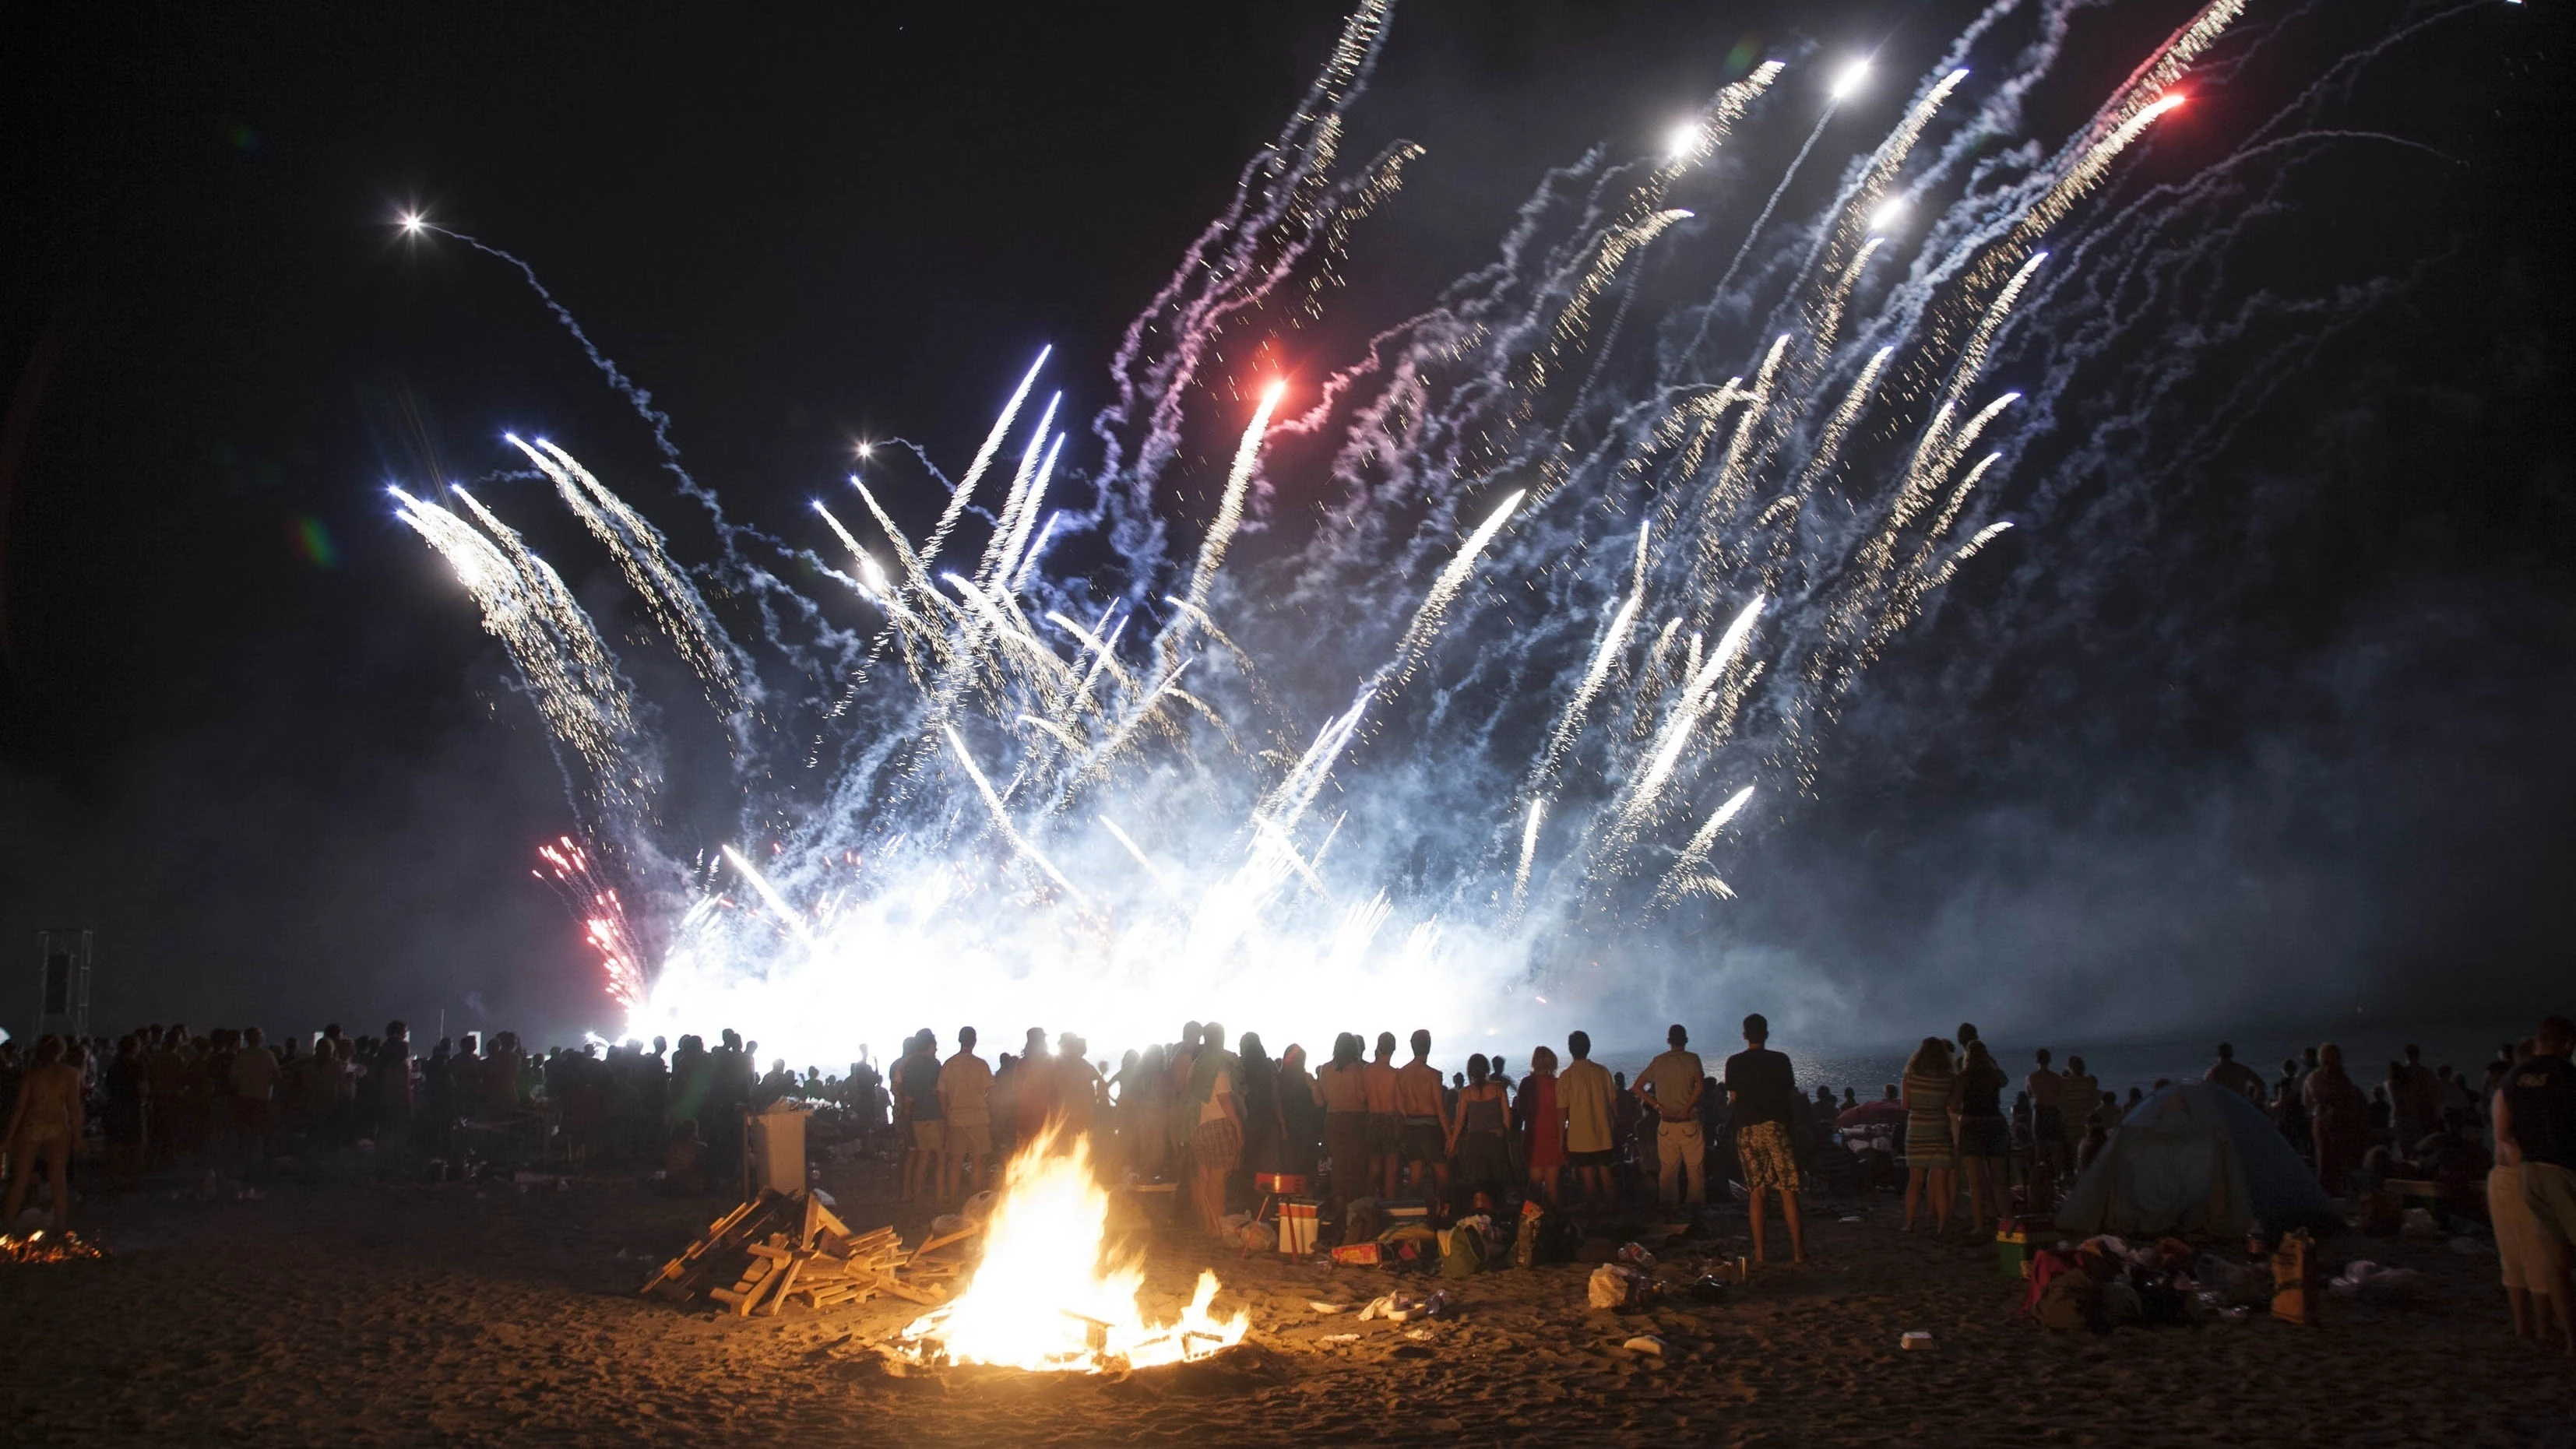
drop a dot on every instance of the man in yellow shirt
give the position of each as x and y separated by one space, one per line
1671 1084
1585 1092
966 1097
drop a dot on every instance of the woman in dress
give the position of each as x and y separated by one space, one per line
1477 1134
1299 1113
1984 1140
1258 1087
1543 1138
1930 1162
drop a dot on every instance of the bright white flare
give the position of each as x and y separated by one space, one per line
1684 140
1850 79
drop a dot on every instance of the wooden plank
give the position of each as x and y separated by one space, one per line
786 1285
777 1255
887 1284
937 1243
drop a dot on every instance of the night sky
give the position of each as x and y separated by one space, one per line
2290 747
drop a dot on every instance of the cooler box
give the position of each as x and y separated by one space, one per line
1284 1184
2018 1241
1297 1226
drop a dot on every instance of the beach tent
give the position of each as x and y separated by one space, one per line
2195 1159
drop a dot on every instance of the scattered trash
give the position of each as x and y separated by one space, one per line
1855 1217
1916 1339
1710 1288
1645 1344
1614 1287
825 1198
1418 1334
1326 1308
1339 1338
2368 1282
1636 1256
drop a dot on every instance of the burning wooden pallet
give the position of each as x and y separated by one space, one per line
780 1246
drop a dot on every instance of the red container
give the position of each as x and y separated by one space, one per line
1285 1184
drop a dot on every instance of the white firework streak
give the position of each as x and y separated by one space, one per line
1007 525
1229 514
637 547
1002 817
1570 723
1702 841
1695 699
1529 851
777 903
965 490
1435 604
1133 849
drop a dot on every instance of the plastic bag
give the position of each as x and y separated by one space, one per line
1613 1287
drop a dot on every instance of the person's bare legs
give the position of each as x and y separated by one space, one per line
21 1173
1943 1187
1975 1170
1796 1213
1913 1193
2519 1300
1753 1209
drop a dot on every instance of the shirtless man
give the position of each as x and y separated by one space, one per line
1386 1124
44 1125
2047 1132
1418 1100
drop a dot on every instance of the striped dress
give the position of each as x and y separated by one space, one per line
1927 1120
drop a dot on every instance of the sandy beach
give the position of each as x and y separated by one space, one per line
372 1314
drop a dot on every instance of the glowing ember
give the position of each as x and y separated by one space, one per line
1049 1296
43 1246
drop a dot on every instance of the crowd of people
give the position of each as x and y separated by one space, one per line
231 1104
1217 1117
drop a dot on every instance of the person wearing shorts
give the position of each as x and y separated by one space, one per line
2535 1112
1585 1091
1386 1123
1761 1087
2532 1260
1424 1110
966 1120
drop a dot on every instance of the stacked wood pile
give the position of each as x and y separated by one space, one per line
781 1246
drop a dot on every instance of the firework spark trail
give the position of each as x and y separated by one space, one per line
1002 817
1013 573
637 548
1435 604
959 496
1229 516
1695 853
788 915
1529 853
1570 723
1133 849
1007 523
557 653
1222 271
1676 732
1752 233
642 400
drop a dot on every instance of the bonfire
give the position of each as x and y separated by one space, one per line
1052 1293
43 1246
